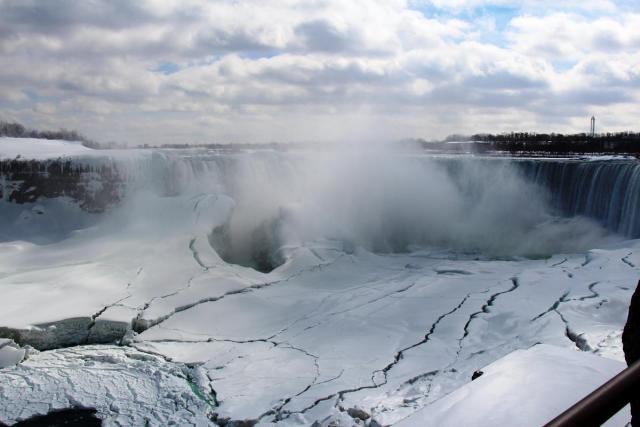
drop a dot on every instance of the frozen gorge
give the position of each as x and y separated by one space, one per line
355 288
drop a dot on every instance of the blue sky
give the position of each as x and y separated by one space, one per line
501 14
161 71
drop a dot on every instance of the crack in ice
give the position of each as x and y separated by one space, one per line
397 358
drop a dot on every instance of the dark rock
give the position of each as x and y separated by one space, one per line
476 374
241 423
358 413
221 421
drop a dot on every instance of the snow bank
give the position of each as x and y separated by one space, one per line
41 149
525 388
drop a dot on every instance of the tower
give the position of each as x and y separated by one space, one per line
593 126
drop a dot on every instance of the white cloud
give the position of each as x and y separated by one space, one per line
572 37
299 70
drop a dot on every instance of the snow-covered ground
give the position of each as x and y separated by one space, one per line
522 380
40 149
336 334
49 149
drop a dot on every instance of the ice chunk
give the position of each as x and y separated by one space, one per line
10 353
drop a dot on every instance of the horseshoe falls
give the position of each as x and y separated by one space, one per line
356 286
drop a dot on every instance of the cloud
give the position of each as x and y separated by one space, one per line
571 36
159 71
460 6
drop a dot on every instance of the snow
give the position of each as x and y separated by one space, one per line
184 335
51 149
107 378
516 390
41 149
603 157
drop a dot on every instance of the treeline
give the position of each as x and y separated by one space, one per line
557 143
17 130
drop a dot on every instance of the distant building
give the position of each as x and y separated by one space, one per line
593 126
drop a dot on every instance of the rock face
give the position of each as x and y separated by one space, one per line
631 345
67 332
93 187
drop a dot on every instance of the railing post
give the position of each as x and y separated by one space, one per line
604 402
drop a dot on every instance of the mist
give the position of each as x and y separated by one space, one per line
390 199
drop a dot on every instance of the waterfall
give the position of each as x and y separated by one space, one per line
605 190
384 201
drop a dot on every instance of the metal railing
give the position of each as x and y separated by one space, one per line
604 402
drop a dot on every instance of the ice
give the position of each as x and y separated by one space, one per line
332 331
356 315
126 387
10 353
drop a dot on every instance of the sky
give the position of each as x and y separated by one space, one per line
198 71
